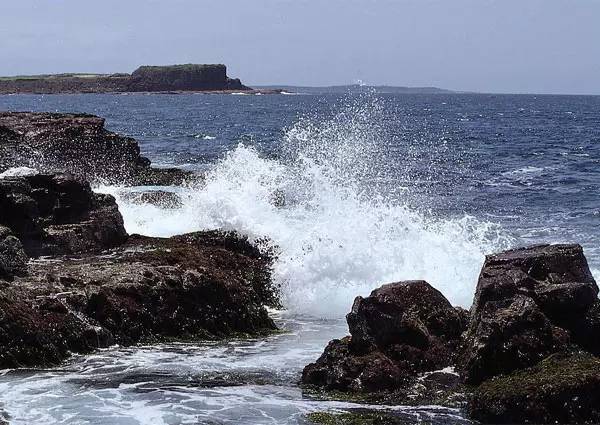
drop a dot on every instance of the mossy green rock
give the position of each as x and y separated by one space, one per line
354 418
563 388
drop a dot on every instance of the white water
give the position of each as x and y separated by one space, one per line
336 236
250 382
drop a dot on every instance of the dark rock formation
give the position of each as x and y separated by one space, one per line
57 214
101 286
529 303
183 77
78 144
400 330
201 285
145 79
13 260
564 388
527 351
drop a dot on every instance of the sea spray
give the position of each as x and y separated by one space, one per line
336 234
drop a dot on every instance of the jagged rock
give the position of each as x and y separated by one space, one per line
341 369
78 144
201 285
409 313
529 303
58 214
399 331
564 388
13 260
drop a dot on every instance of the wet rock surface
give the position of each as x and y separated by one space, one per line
529 303
58 214
196 286
72 280
13 260
397 333
78 144
525 353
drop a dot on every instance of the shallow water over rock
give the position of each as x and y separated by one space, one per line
238 381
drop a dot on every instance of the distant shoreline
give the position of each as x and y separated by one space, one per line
170 78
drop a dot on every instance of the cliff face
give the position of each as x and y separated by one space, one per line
146 78
183 77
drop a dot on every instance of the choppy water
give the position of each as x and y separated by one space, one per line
376 187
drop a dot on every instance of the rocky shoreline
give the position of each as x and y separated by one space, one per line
72 280
525 353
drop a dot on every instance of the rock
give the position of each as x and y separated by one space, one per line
159 198
564 388
58 214
360 417
174 78
196 286
183 77
529 303
339 368
78 144
555 275
399 331
13 260
586 329
511 334
409 313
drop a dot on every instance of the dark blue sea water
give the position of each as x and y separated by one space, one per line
377 187
528 162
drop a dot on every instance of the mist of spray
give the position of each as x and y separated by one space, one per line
335 236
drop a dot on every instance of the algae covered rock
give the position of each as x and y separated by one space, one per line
564 388
357 418
195 286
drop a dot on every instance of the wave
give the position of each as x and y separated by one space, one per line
335 237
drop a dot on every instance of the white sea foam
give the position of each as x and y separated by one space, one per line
204 137
18 172
335 238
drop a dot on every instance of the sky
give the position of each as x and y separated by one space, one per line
503 46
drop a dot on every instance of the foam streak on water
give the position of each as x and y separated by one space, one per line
336 236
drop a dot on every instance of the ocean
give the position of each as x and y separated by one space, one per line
371 188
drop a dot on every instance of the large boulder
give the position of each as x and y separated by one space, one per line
78 144
529 303
410 313
196 286
400 330
564 388
59 214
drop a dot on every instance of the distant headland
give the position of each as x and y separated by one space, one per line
172 78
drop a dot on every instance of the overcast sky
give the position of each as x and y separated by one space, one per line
539 46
